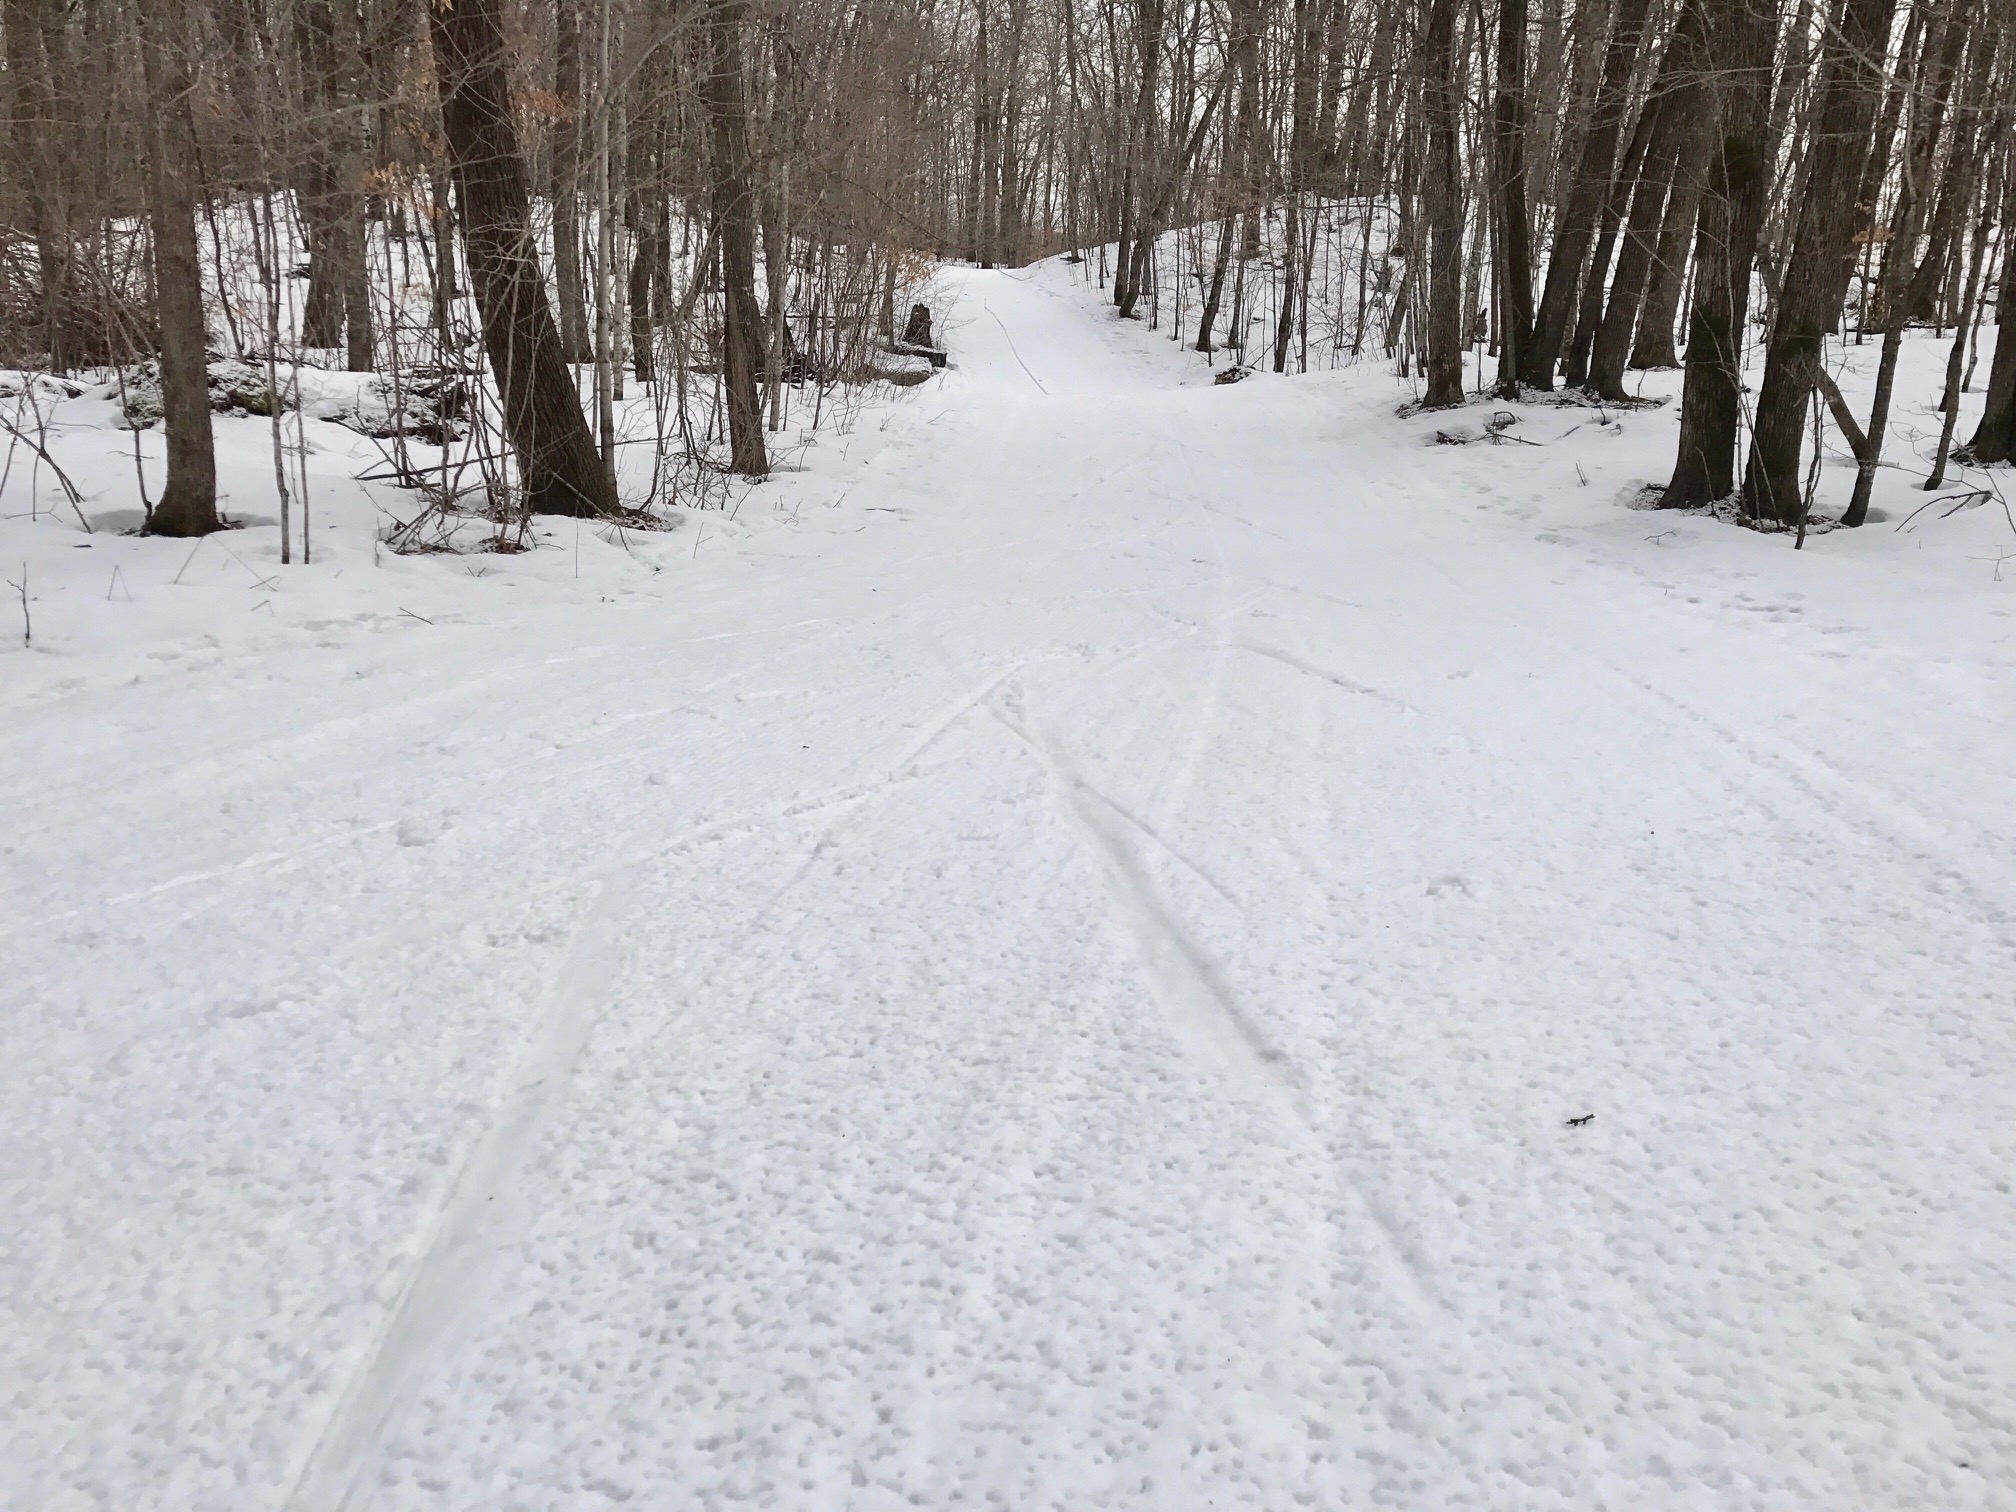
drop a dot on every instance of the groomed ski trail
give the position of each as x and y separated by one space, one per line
1059 981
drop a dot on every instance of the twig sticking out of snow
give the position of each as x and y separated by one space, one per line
69 488
27 624
1974 498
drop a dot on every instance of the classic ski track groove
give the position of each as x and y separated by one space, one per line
454 1250
462 1236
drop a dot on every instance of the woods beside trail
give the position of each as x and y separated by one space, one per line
537 206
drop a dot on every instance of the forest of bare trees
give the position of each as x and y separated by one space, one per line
726 199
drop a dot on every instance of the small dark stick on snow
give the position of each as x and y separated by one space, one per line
1576 1123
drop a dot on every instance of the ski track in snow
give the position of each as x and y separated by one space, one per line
475 1221
1055 980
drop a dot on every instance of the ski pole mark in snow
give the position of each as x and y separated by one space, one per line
1187 983
1189 863
894 772
447 1277
1011 347
439 1288
1200 1007
1274 653
191 879
1983 899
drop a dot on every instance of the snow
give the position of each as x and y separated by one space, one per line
1045 962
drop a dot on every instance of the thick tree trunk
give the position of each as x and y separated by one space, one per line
1743 35
359 338
1442 101
735 212
322 310
1291 251
1586 199
562 473
1823 253
188 503
1515 244
978 250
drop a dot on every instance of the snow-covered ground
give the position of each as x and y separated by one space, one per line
1045 963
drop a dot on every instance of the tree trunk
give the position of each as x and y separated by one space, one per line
735 211
1743 35
1678 99
1245 23
646 229
1442 102
1515 246
322 310
1994 439
188 503
338 311
33 111
1135 211
1823 252
353 243
562 474
1215 294
1964 327
1303 131
1654 347
567 274
1909 285
1596 282
1586 199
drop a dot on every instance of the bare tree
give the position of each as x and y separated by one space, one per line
561 471
188 503
1742 38
1822 259
735 214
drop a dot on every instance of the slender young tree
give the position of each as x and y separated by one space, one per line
566 179
734 208
1994 438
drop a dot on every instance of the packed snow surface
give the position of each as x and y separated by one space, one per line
1047 963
